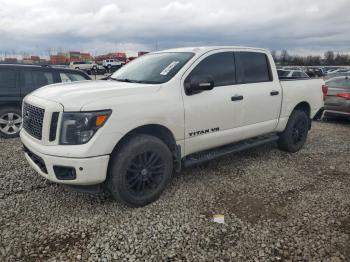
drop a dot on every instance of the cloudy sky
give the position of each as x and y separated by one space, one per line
98 26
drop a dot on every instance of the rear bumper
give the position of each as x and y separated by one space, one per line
88 171
335 113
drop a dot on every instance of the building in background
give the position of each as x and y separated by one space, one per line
32 60
59 59
71 56
74 56
64 58
85 57
11 60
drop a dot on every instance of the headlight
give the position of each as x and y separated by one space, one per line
79 127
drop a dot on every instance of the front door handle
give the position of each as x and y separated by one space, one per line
236 98
274 93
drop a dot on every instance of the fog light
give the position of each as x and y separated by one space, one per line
64 172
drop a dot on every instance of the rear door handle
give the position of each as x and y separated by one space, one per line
274 93
236 98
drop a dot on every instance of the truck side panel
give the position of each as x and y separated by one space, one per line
296 92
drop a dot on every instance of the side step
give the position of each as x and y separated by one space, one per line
200 157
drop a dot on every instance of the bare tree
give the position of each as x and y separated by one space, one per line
274 55
329 57
285 58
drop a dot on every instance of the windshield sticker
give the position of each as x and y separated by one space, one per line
169 68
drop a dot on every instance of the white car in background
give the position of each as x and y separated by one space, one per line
83 65
109 63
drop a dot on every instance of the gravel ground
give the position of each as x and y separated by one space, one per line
277 206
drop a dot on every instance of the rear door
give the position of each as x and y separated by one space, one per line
9 90
262 94
32 79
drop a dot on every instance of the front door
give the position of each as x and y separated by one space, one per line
210 115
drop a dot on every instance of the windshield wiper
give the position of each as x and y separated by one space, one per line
127 80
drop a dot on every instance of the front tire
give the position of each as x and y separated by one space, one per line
10 122
139 171
293 138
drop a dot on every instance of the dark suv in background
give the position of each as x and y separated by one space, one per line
16 81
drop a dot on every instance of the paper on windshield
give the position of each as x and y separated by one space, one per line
169 68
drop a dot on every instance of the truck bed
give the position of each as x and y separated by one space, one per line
302 90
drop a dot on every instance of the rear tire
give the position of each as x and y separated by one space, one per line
139 171
10 122
293 138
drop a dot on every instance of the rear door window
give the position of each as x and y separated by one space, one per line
35 79
64 78
252 67
71 77
76 77
7 78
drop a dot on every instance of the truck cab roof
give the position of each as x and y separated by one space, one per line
199 50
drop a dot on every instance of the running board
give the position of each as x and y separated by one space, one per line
198 158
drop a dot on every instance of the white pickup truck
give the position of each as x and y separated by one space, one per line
161 112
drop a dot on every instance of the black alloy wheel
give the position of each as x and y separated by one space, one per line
145 173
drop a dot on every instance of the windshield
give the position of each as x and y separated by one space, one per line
154 68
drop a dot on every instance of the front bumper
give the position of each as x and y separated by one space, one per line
88 171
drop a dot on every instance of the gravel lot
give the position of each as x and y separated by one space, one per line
277 206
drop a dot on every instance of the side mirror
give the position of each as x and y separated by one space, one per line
199 83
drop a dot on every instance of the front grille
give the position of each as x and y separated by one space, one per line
33 120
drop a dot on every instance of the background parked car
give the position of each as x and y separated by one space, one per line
112 63
16 81
292 74
315 72
83 65
99 70
338 72
337 101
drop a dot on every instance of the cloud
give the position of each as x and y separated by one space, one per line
105 25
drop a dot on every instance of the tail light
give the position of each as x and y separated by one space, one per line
344 95
324 90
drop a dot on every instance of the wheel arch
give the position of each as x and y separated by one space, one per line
159 131
156 130
303 106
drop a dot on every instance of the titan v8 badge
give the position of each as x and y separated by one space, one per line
205 131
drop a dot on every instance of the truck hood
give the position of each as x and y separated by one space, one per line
73 96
